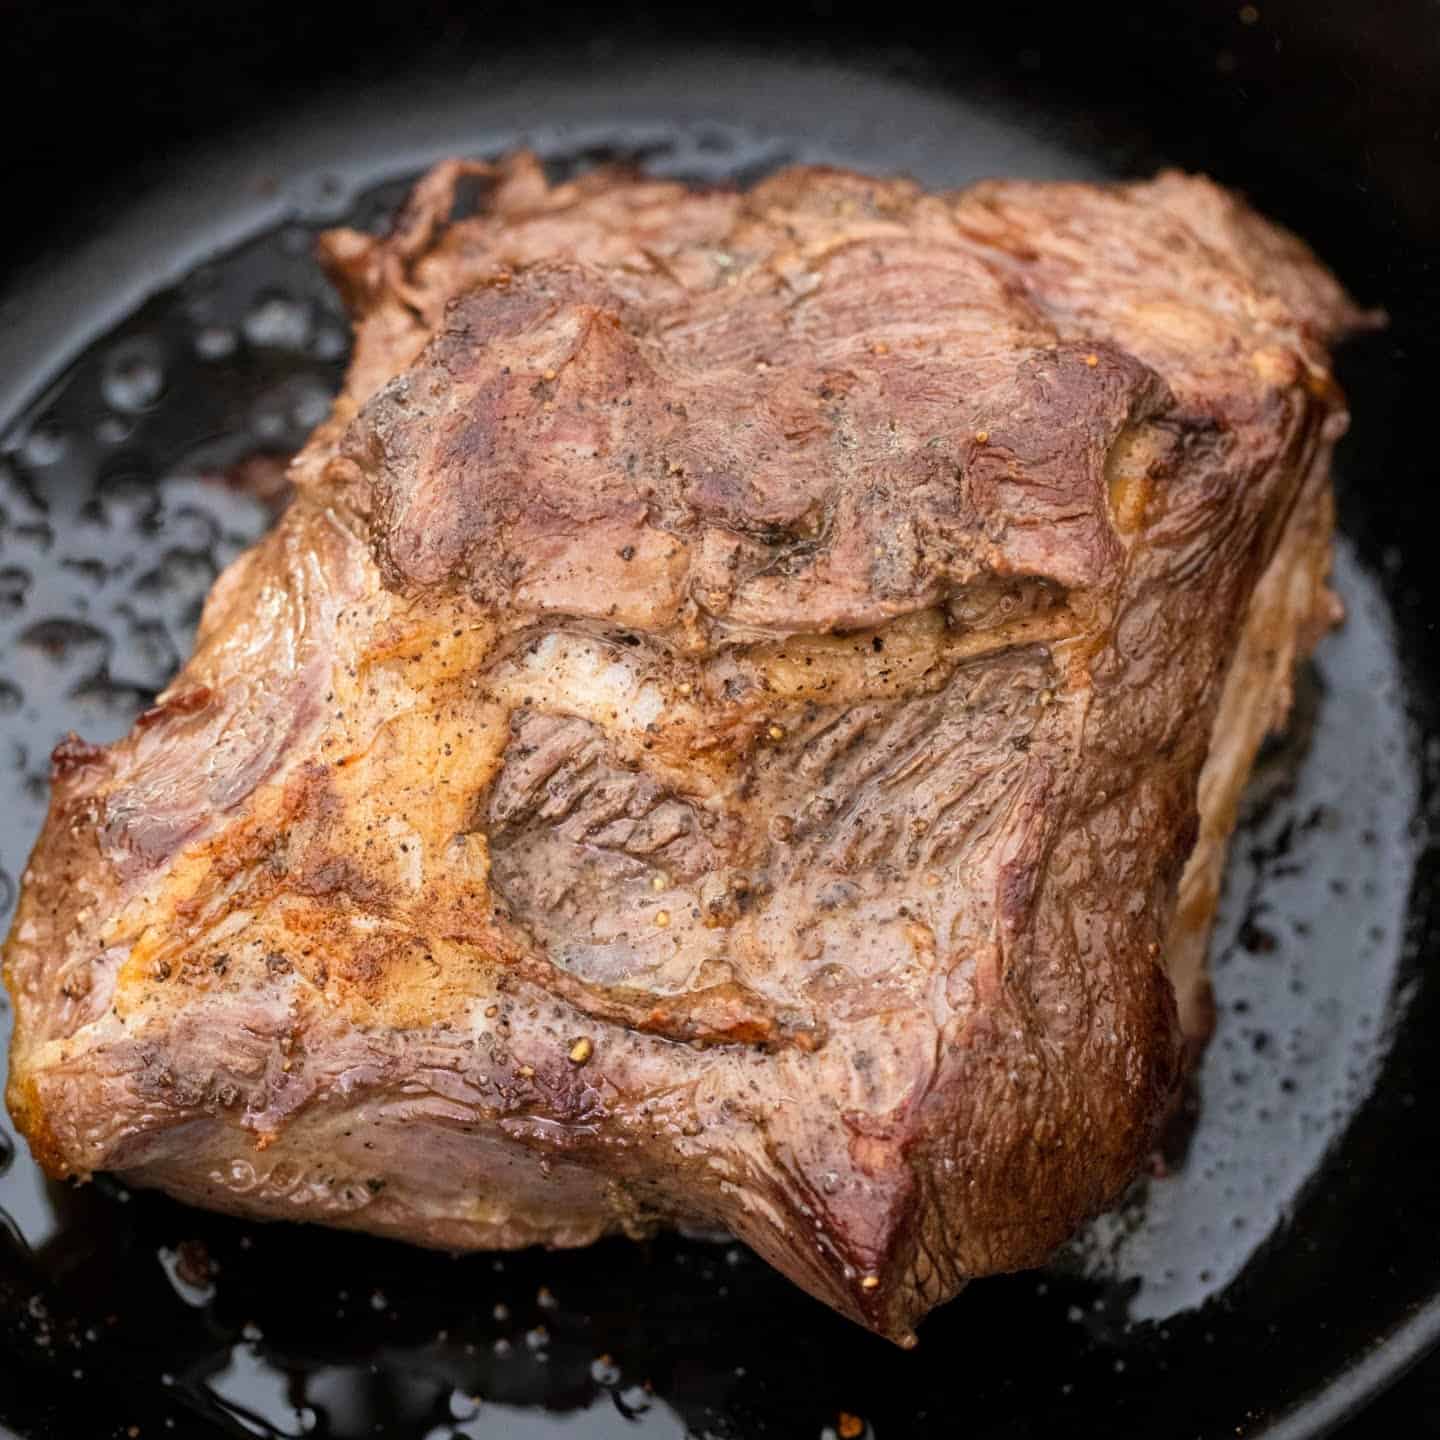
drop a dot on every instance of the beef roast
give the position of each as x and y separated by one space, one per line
717 737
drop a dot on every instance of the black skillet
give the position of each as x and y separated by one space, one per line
161 318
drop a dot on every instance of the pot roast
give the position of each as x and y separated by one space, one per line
738 727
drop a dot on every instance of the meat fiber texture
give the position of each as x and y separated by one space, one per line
738 727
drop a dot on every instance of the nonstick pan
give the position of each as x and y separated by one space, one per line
166 338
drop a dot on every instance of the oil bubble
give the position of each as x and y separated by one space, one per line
44 446
216 342
276 321
133 378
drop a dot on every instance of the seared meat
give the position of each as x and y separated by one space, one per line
717 736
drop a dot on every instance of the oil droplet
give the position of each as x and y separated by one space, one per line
216 342
277 322
189 1274
463 1406
133 378
604 1371
309 404
330 342
268 420
633 1400
43 446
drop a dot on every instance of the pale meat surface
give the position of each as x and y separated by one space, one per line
717 736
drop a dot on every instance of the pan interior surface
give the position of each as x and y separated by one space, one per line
195 332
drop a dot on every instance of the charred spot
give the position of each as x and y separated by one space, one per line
310 792
76 985
470 442
335 875
795 558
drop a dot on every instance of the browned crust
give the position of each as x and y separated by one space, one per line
886 554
